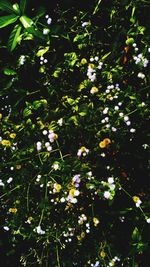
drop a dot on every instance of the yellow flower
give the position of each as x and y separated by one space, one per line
102 254
104 143
94 90
13 210
18 167
71 192
57 187
95 221
1 116
12 135
6 143
136 199
83 61
91 65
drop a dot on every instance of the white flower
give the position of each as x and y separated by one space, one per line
45 132
132 130
91 59
38 145
107 195
45 60
110 180
49 21
49 148
74 200
62 200
85 24
114 129
105 111
55 166
9 180
76 193
148 220
45 31
47 144
134 45
128 123
138 203
96 58
1 183
141 75
116 108
60 122
126 118
39 230
38 178
121 114
6 228
149 49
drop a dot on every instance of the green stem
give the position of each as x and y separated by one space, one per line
18 186
57 254
61 156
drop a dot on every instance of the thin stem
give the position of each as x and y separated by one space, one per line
57 254
18 186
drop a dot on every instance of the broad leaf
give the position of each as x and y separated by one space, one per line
13 38
26 22
9 72
6 20
6 6
42 51
23 5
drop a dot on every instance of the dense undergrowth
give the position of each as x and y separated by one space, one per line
74 141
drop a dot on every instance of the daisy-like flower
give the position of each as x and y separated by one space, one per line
57 188
95 221
83 151
94 90
137 201
104 143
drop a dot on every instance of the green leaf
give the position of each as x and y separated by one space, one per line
9 72
106 55
16 8
6 20
23 5
6 6
136 235
42 51
13 38
129 41
26 22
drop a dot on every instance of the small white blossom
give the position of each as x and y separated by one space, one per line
6 228
9 180
110 180
132 130
45 31
39 230
49 21
141 75
45 132
107 195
